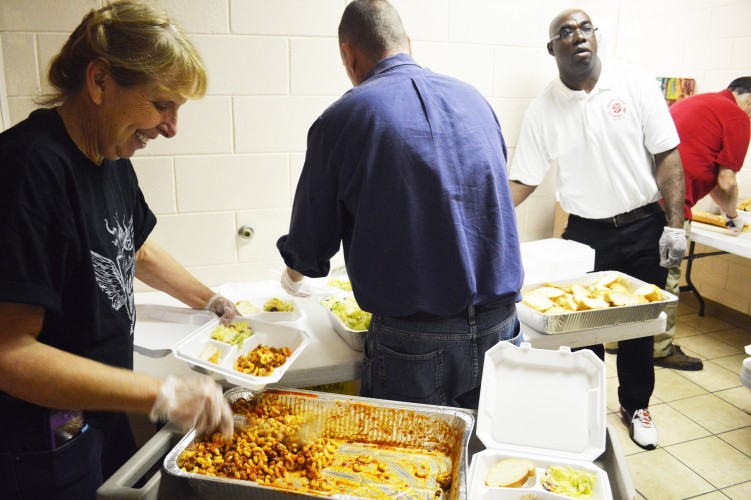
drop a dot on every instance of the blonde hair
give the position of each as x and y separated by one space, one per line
139 45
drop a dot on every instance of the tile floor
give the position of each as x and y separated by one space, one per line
704 417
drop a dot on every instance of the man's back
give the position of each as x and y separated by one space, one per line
425 214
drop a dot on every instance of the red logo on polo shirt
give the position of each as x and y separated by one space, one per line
617 109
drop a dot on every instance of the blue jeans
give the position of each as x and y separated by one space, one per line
436 361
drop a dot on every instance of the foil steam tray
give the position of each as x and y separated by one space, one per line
365 425
593 318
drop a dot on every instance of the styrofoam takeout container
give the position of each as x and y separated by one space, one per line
543 405
592 318
257 294
271 334
555 258
158 327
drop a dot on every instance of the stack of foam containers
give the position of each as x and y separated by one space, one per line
554 259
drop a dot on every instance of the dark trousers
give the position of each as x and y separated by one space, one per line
632 249
75 470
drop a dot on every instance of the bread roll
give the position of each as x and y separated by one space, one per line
510 473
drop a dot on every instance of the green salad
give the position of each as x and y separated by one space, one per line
234 334
569 481
347 310
345 285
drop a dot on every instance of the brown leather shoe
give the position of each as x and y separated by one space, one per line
678 360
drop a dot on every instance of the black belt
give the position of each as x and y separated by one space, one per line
629 217
421 316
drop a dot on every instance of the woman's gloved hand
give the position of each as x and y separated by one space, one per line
194 401
293 286
672 246
735 224
222 306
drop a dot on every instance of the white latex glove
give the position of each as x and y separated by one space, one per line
735 224
222 306
292 287
672 246
194 401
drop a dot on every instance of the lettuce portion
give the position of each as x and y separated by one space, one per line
569 481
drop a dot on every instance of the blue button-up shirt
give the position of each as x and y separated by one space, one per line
408 171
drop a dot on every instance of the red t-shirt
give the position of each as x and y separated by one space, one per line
714 132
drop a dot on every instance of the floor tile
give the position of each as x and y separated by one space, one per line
737 337
674 427
712 377
739 438
715 495
740 397
682 330
649 471
714 460
712 413
708 347
669 386
704 324
732 363
739 492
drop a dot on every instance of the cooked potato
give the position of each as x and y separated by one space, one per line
610 290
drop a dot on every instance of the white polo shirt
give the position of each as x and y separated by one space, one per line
603 142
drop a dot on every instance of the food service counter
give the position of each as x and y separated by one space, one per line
328 359
715 237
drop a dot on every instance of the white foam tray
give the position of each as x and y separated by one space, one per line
158 328
543 405
270 334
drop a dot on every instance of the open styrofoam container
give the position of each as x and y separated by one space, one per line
257 294
191 349
555 258
543 405
159 327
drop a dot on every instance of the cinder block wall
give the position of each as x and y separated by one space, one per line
274 66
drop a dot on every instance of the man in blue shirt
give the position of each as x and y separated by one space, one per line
408 171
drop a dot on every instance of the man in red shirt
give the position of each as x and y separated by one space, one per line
715 130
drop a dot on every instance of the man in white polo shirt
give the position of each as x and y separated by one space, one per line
609 130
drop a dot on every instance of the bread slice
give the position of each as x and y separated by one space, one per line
510 473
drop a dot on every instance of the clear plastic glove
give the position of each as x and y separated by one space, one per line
672 246
292 287
222 306
194 401
735 224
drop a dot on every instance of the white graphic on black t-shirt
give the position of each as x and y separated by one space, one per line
116 278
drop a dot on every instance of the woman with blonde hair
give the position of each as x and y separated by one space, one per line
73 235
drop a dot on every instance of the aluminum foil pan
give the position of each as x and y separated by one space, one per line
360 422
593 318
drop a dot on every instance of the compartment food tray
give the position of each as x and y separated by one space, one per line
553 413
191 350
593 318
257 294
384 425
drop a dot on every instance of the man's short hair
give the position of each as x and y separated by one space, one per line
741 85
374 26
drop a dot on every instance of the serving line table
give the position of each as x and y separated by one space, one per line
716 237
328 359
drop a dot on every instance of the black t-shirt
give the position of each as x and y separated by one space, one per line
69 230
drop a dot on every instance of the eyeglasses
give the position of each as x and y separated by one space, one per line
568 33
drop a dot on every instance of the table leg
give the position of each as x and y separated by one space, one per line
690 285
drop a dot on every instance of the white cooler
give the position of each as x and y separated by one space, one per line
543 405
